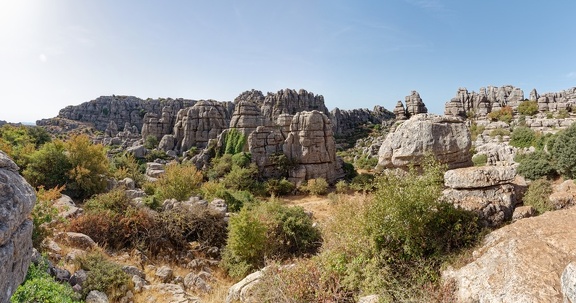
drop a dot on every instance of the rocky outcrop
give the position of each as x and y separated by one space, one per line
400 111
120 109
414 104
521 262
445 137
17 199
310 145
345 122
253 96
488 99
196 125
568 283
486 190
246 117
563 100
265 145
289 101
159 125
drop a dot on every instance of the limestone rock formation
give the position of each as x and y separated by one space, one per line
400 111
158 125
487 190
17 199
568 282
520 262
414 104
196 125
265 145
246 117
345 122
120 109
254 96
289 101
447 138
310 144
488 99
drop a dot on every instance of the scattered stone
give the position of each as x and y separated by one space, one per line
66 207
568 283
241 291
169 293
76 240
369 299
219 205
139 283
78 277
164 274
522 212
96 296
133 270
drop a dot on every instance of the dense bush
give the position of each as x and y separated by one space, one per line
365 162
528 108
39 286
536 165
363 182
408 222
180 181
341 186
504 114
21 141
476 130
220 166
114 201
234 142
241 159
235 199
267 230
241 178
151 142
126 166
499 132
562 151
279 187
49 166
318 186
522 137
89 167
104 276
538 194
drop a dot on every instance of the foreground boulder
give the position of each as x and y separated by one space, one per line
17 199
521 262
447 138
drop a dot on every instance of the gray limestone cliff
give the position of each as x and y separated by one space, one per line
488 99
17 199
290 101
347 121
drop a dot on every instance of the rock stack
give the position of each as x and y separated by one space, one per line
17 199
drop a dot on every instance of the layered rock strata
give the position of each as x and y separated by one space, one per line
345 122
17 199
196 125
486 190
290 101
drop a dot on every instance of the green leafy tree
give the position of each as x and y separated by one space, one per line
89 172
522 137
48 166
538 194
528 108
562 152
179 182
536 165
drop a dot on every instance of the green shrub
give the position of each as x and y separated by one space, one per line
522 137
104 276
318 186
562 151
48 166
538 194
341 187
536 165
179 182
280 187
241 178
504 114
349 171
366 162
39 286
363 182
154 154
234 142
151 142
480 159
241 159
267 230
408 222
115 201
220 166
562 114
499 132
126 166
90 167
476 130
528 108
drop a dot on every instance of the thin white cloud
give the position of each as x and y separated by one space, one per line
43 58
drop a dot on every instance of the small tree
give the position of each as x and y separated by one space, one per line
562 152
528 108
522 137
89 163
179 182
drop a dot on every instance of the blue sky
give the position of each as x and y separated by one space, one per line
356 53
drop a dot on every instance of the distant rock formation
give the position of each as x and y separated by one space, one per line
121 110
415 105
290 101
563 100
400 111
196 125
488 99
445 137
254 96
347 121
17 199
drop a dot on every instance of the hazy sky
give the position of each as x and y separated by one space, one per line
55 53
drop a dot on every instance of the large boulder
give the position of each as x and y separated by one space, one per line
246 117
521 262
17 199
447 138
478 177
